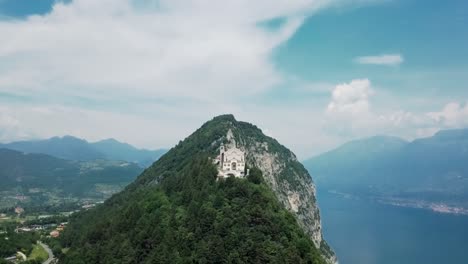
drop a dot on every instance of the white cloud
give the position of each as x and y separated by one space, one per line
351 98
167 66
103 48
350 114
453 115
10 127
384 59
56 120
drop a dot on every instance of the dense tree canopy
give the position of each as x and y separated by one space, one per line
12 242
190 217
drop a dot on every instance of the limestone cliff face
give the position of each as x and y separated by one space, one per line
283 173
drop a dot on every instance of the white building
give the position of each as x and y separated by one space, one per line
230 162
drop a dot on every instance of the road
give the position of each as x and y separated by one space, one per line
49 251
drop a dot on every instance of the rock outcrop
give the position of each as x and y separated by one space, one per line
285 175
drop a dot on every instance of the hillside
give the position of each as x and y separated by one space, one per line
176 211
72 148
431 169
36 177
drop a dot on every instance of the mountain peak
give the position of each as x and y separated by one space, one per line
280 168
225 117
67 138
191 163
109 140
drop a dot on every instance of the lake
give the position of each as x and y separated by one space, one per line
366 232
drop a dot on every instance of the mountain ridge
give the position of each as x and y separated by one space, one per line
433 169
73 148
281 172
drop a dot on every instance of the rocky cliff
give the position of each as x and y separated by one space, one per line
283 173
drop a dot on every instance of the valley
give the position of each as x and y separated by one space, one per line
41 180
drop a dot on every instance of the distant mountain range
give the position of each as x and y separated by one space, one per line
72 148
43 179
433 169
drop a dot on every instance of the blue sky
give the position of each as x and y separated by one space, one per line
24 8
312 73
431 35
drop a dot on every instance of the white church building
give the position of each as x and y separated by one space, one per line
231 162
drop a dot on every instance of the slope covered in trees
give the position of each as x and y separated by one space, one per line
177 212
191 217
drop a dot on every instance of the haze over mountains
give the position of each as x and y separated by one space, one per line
40 180
433 169
72 148
63 170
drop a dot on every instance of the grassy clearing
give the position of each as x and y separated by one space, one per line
38 253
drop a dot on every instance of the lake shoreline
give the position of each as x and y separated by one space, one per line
436 207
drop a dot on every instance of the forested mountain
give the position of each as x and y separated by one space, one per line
177 212
17 168
30 175
72 148
434 168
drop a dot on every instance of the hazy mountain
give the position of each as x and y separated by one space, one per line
178 212
40 176
72 148
355 160
40 170
115 150
434 168
66 147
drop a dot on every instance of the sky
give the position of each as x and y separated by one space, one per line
311 73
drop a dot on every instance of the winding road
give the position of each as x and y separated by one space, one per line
49 251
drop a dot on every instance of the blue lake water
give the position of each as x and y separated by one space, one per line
366 232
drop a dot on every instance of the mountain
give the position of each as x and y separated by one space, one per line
17 168
66 147
72 148
115 150
433 169
177 211
37 176
355 161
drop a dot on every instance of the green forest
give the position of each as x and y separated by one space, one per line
190 217
12 242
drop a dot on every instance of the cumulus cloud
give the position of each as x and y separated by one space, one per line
384 59
350 114
351 98
453 115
